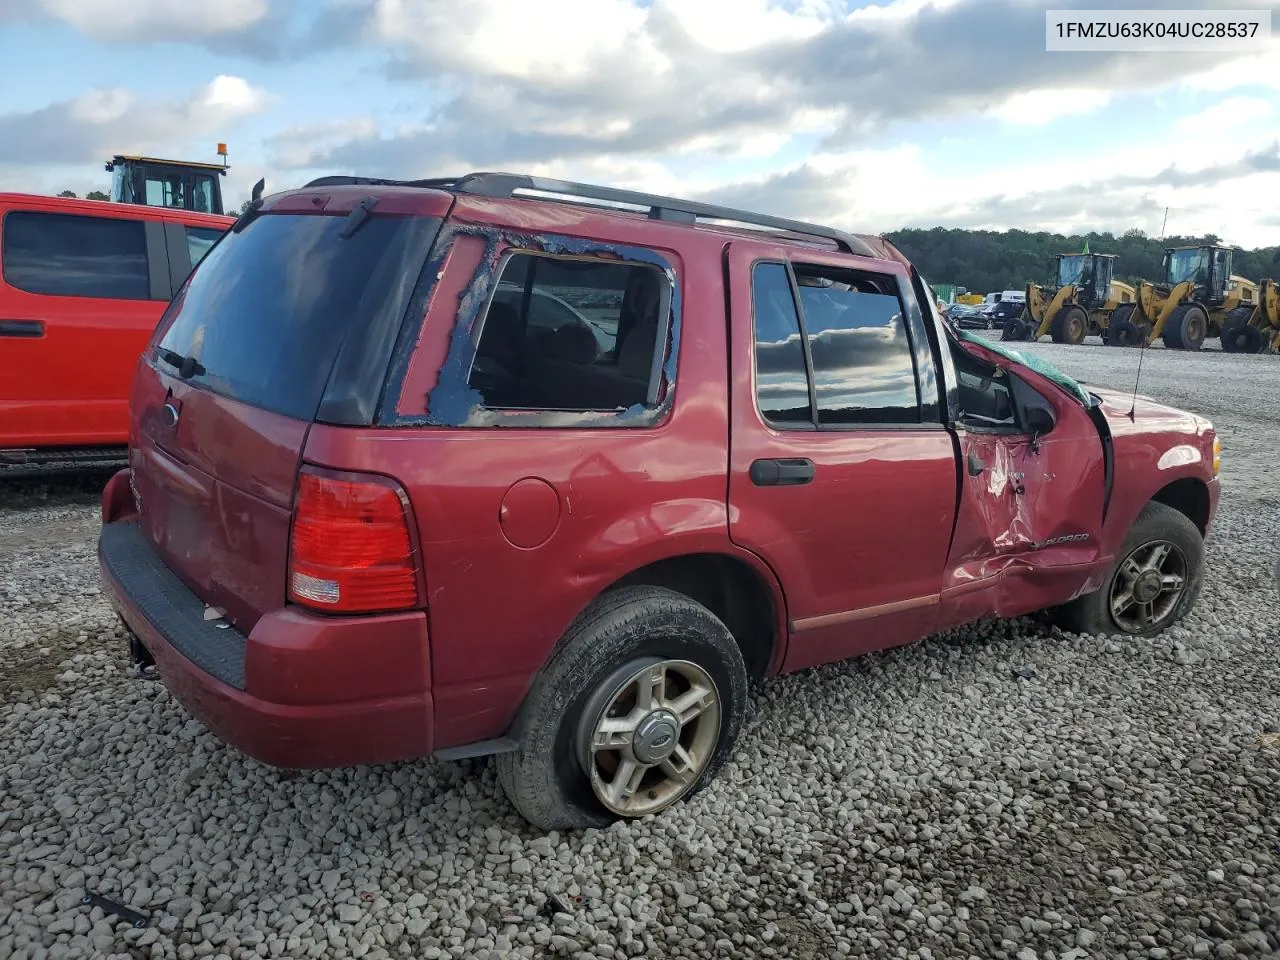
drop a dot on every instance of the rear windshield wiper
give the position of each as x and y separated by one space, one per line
187 367
358 215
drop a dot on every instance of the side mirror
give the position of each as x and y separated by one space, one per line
1039 421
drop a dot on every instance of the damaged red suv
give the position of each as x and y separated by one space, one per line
502 465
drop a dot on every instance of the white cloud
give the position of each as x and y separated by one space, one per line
228 96
736 25
1232 113
1261 70
296 147
156 19
99 123
1122 186
681 96
517 39
1039 107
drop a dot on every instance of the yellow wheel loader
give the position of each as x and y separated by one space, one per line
1255 329
1080 303
1198 295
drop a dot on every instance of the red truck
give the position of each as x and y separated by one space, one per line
82 285
548 471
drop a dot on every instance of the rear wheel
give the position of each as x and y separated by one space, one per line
638 709
1186 327
1238 336
1154 582
1014 329
1070 325
1122 331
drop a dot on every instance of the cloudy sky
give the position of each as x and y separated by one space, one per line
870 115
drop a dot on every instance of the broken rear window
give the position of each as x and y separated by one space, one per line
573 334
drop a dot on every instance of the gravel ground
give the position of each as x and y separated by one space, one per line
1002 790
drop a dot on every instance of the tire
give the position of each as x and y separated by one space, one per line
1121 330
624 632
1070 325
1238 336
1186 327
1156 524
1013 330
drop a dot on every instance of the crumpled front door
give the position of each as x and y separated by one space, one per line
1028 531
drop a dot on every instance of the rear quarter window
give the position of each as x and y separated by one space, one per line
572 334
69 255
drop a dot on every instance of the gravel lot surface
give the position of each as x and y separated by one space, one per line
999 791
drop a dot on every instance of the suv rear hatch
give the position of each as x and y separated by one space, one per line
290 320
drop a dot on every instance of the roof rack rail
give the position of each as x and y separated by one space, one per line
506 185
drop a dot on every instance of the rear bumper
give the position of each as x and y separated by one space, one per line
299 691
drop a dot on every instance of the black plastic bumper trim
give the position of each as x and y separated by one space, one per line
170 607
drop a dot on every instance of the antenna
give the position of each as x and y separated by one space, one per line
1164 224
1133 407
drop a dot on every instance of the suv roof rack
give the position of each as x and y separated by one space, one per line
507 185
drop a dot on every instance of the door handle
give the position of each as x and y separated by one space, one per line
781 473
22 328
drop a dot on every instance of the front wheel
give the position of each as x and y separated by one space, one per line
1154 582
1186 327
638 709
1070 325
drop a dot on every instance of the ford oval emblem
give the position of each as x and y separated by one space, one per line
170 415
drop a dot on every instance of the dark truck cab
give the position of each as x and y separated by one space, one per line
500 465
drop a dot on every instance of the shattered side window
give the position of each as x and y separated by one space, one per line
572 334
1042 367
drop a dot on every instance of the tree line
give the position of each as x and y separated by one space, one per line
986 261
91 195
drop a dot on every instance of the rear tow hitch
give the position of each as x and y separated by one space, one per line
142 659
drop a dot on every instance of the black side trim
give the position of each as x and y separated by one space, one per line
22 328
158 260
174 611
482 748
1108 456
175 240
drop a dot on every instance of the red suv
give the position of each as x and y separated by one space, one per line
502 465
82 284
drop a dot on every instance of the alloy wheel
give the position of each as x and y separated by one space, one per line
1148 586
648 734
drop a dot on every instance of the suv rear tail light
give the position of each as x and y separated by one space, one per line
350 551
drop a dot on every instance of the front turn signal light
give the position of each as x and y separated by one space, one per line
1217 455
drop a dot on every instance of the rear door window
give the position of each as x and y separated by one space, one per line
863 362
67 255
265 316
836 337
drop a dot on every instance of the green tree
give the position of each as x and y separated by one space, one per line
69 194
986 261
96 195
